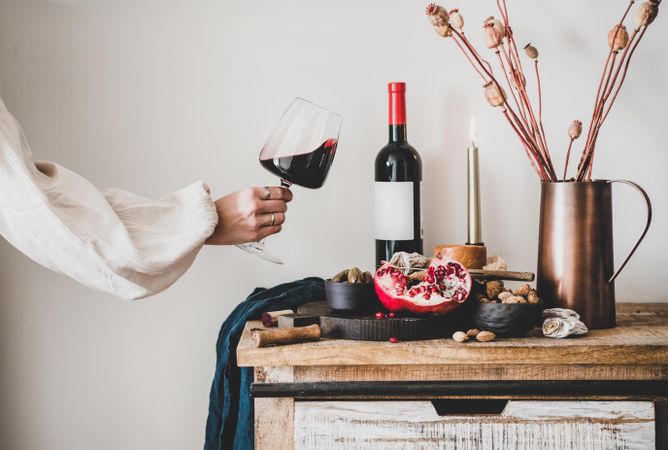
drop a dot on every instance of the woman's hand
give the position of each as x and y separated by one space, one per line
250 215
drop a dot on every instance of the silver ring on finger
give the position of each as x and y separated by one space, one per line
273 219
267 193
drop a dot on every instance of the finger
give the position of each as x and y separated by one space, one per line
276 193
265 219
268 231
272 206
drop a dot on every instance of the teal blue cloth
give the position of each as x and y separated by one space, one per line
230 422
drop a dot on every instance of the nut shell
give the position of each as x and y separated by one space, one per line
485 336
515 299
473 332
504 295
523 290
494 288
460 336
533 297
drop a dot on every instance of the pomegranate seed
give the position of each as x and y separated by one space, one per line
430 279
391 315
393 340
380 315
430 270
426 296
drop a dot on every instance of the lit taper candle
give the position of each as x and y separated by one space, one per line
474 228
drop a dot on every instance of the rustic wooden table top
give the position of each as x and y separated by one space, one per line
641 337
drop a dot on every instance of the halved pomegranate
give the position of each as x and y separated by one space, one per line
446 285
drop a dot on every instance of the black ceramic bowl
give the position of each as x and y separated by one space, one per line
508 320
352 297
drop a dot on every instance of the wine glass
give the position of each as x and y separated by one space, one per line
300 151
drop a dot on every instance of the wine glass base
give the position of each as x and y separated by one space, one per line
257 248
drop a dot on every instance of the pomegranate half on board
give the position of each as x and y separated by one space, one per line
446 285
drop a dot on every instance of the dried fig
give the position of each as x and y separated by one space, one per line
355 275
341 276
368 278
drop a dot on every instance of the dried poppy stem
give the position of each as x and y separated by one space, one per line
532 143
512 88
530 152
626 68
602 115
586 151
470 60
518 125
539 138
568 156
607 90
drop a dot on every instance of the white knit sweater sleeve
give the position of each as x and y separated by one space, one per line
112 241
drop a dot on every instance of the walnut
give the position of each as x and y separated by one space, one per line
514 299
484 300
533 297
494 288
523 290
504 295
485 336
460 336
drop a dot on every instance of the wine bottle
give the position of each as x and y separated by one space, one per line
398 177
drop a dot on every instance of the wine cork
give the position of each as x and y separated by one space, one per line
470 256
282 336
270 319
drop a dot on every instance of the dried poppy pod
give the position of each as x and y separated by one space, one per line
646 13
438 16
440 19
618 37
575 129
495 31
531 51
494 94
456 19
518 76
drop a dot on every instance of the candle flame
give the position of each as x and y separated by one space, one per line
472 131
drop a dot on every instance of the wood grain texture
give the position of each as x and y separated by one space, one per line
641 337
274 421
523 425
274 417
444 372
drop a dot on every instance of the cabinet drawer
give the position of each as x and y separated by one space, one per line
521 425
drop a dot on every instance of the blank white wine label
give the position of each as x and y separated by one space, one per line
394 210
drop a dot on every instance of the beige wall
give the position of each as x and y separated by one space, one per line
150 95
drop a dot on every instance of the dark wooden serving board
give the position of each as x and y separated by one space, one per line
362 327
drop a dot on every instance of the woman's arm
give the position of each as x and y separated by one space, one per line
116 241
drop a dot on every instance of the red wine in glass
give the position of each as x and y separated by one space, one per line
306 169
300 151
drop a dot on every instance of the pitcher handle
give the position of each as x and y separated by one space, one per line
649 221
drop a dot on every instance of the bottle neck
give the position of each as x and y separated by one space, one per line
397 116
398 133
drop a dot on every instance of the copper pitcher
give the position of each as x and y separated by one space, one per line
575 251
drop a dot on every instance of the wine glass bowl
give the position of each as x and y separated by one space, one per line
301 148
300 151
